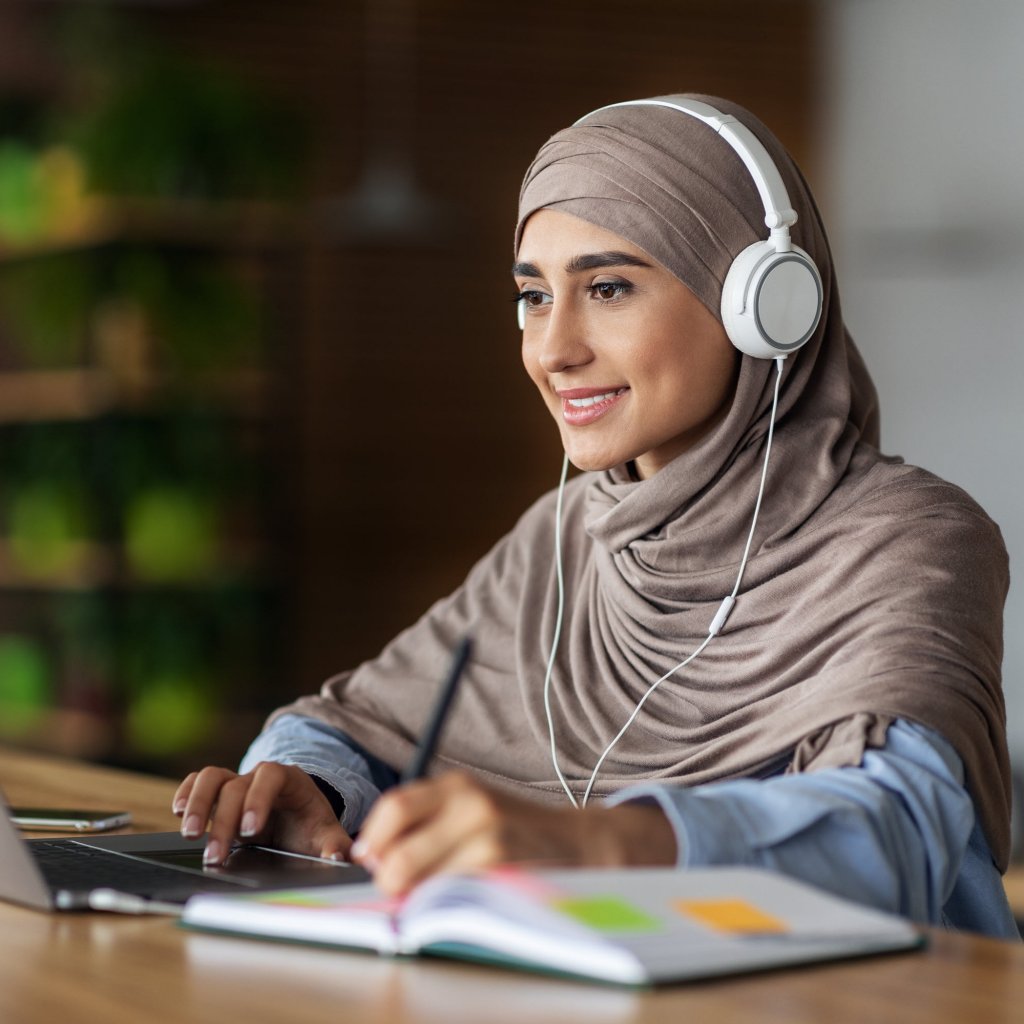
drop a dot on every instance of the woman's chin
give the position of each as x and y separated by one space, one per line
595 462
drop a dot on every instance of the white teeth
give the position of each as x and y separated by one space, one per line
582 403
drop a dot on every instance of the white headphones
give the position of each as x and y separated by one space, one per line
772 295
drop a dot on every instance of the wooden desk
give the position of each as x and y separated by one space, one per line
86 968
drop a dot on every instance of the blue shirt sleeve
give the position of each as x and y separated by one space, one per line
329 756
897 832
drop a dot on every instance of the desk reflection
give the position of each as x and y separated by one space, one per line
394 989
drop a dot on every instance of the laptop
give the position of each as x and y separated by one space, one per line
145 872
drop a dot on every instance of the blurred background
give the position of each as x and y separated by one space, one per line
260 393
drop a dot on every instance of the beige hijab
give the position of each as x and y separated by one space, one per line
874 590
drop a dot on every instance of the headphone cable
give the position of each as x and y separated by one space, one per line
717 623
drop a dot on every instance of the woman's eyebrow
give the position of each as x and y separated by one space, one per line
586 261
525 270
596 260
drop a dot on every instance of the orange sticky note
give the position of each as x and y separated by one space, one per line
736 916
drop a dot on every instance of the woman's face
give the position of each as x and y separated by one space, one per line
630 363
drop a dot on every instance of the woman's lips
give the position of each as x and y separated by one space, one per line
581 406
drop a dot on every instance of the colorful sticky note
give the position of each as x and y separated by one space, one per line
290 898
607 914
736 916
314 901
530 884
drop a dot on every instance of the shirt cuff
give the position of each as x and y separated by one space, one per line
334 798
654 795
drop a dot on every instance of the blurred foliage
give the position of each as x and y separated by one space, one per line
171 713
46 522
185 450
84 631
47 303
163 480
171 534
176 656
150 120
172 128
204 317
198 315
26 690
136 119
49 501
22 199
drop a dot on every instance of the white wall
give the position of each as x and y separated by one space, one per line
923 193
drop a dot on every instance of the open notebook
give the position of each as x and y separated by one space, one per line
630 926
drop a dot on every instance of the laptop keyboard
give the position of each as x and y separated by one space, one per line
67 866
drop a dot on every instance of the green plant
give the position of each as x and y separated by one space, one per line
171 534
24 684
167 651
46 523
47 302
165 126
203 317
22 200
171 712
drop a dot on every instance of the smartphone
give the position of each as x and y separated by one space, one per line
63 819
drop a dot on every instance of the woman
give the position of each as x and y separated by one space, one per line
844 724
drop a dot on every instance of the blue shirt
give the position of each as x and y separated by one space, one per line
897 832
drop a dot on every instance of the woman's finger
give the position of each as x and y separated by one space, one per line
395 813
456 822
285 798
225 819
180 799
433 850
283 801
202 799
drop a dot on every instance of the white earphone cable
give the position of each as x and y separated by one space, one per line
713 630
558 629
779 361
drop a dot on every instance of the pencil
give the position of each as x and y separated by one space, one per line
417 767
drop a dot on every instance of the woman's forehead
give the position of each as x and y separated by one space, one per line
552 233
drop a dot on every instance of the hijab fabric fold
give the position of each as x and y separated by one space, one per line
874 590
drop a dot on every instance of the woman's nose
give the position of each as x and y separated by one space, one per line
563 342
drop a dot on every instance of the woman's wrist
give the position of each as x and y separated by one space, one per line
629 835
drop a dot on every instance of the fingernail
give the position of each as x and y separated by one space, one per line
192 827
248 824
179 807
360 852
211 855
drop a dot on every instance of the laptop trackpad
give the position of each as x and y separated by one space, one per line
254 863
246 865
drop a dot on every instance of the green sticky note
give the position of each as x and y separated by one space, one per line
608 914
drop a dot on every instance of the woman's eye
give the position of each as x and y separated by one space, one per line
532 297
609 291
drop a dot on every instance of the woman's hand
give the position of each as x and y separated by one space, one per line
455 823
275 804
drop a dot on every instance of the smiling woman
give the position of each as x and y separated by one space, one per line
786 656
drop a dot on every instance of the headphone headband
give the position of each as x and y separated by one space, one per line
778 211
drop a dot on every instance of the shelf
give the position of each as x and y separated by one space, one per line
160 380
87 567
33 396
187 222
94 566
95 736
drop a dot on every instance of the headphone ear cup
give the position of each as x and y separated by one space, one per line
771 300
